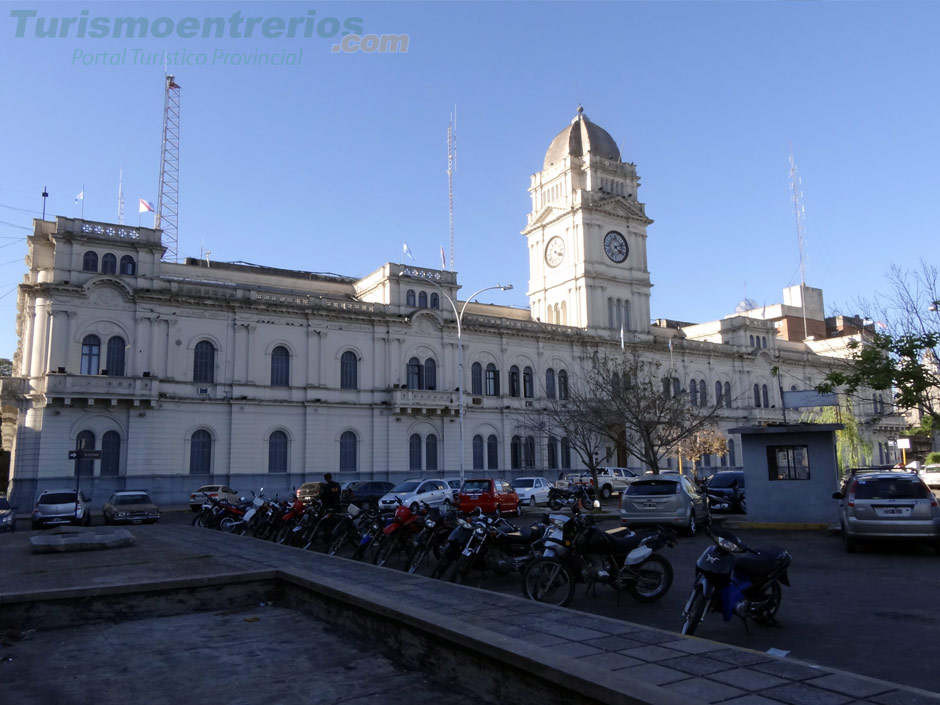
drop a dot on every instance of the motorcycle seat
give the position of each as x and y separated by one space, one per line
763 562
623 543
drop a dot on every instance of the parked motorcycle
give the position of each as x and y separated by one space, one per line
736 580
562 497
438 525
576 551
404 526
346 530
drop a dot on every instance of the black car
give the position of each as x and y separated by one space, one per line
7 519
365 494
729 485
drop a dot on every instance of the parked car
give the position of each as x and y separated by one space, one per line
7 518
888 505
532 490
454 483
729 485
611 480
671 500
218 491
489 494
434 492
931 476
130 507
308 491
366 494
57 507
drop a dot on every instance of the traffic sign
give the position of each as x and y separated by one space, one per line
85 454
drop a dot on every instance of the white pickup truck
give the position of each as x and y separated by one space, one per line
611 480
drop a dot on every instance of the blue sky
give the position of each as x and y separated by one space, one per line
330 164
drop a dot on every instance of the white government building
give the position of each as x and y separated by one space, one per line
182 374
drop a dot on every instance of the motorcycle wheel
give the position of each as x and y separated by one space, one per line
388 547
200 520
443 563
461 570
360 550
555 505
228 524
696 612
414 559
654 578
547 580
767 614
283 534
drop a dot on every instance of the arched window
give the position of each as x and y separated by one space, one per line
719 398
115 357
347 452
277 452
492 453
85 441
430 374
410 297
128 265
693 392
514 381
111 454
423 299
764 396
492 380
731 460
528 383
204 362
90 262
702 393
280 367
414 374
414 452
707 460
728 395
108 264
91 355
562 385
430 452
530 451
348 370
435 300
478 452
565 454
515 453
476 379
550 383
552 455
757 395
763 341
752 341
200 453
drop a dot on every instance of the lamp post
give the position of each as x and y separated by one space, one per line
459 317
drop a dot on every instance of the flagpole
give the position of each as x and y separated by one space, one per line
83 201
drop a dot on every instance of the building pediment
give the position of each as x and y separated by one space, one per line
619 207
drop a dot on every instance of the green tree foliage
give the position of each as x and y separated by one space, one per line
852 450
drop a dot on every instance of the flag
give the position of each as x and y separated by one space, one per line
621 337
145 207
670 345
443 261
80 196
880 324
406 251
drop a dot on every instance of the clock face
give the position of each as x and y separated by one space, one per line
615 245
555 252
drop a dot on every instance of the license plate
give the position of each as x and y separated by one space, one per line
648 505
893 511
135 521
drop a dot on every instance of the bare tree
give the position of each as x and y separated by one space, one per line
707 440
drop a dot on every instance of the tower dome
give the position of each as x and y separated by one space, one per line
580 138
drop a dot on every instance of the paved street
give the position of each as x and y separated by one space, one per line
871 613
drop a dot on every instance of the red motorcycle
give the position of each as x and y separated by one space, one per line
400 530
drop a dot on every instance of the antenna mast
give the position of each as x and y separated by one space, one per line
796 188
451 168
167 216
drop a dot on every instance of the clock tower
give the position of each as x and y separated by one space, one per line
587 236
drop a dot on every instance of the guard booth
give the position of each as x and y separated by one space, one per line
790 472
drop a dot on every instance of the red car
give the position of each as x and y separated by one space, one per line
489 494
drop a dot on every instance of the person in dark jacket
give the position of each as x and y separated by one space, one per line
330 496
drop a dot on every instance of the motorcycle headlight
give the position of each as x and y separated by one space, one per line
429 523
729 546
479 531
6 519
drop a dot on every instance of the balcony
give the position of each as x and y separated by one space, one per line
92 387
425 402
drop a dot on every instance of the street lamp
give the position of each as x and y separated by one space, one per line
459 317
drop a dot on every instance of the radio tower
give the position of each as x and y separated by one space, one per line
796 188
167 216
451 168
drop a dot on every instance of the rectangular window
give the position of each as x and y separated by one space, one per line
787 463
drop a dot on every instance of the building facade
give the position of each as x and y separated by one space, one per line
182 374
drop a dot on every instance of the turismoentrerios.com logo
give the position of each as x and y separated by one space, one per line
348 32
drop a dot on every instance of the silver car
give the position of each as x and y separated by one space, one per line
435 492
888 505
671 500
56 507
531 490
